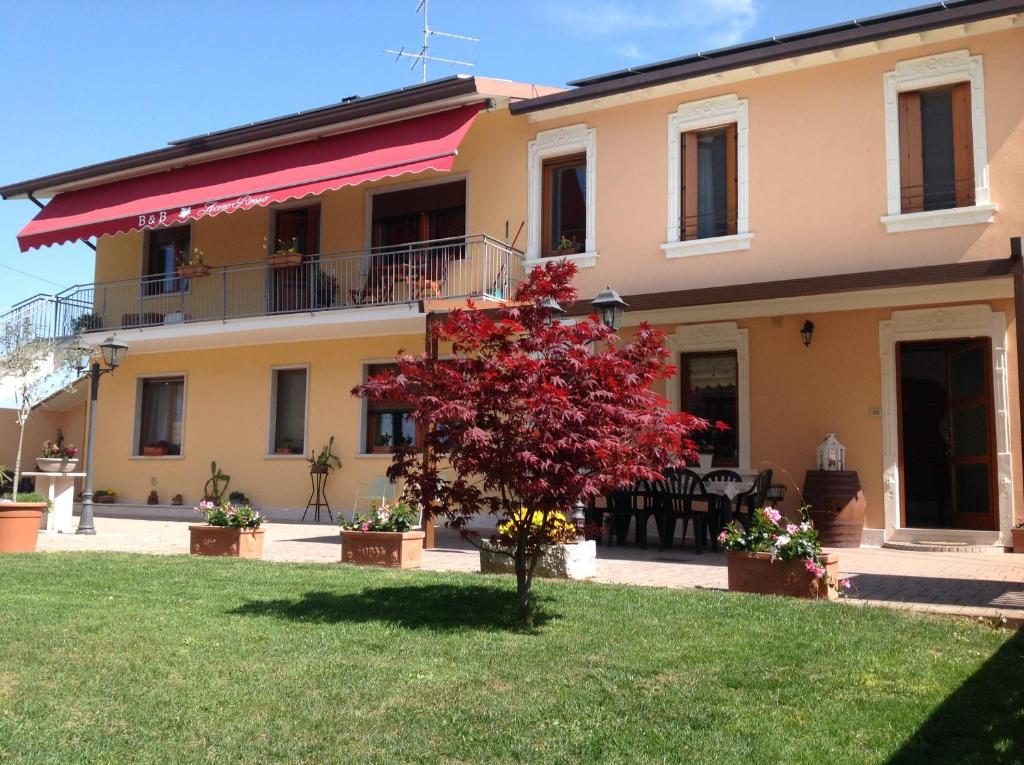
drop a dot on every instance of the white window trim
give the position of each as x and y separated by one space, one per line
947 322
928 72
137 419
272 411
720 336
560 142
701 115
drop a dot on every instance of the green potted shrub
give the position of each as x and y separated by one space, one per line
230 530
389 536
325 460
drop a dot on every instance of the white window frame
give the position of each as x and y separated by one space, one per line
947 68
272 413
709 338
549 144
133 452
702 115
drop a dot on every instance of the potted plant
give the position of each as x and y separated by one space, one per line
158 449
238 498
287 447
325 460
779 558
286 255
1017 533
382 444
58 457
105 496
20 521
565 246
230 530
192 266
87 322
563 554
385 537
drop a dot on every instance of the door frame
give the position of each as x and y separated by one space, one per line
948 345
945 323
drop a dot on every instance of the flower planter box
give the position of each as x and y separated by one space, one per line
393 549
757 573
190 272
575 561
56 464
104 499
19 526
1018 540
226 541
154 451
285 260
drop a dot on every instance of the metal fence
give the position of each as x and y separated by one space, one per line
458 267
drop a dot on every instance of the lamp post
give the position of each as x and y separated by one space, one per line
610 308
552 309
112 352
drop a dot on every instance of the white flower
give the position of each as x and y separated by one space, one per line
783 540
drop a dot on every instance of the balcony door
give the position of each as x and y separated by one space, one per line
291 289
947 434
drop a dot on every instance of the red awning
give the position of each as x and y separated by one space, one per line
252 180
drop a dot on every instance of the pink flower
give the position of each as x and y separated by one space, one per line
810 565
772 514
722 536
366 526
792 528
845 583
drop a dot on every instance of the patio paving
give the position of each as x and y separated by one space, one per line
961 584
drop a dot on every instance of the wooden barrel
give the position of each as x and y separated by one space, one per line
837 505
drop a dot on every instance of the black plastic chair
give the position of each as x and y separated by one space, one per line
684 488
620 507
753 498
649 501
724 502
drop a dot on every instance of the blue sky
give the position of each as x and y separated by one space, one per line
86 82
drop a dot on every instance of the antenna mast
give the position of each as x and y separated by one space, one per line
422 58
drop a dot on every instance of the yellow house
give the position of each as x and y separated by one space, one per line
826 225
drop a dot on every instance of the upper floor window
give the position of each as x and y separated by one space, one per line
160 416
936 155
936 148
166 249
298 227
565 205
708 188
561 195
709 183
389 424
288 411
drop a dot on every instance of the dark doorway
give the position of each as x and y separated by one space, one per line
947 434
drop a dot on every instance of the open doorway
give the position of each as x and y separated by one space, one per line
947 434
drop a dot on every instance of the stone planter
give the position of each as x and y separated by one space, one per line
226 541
1018 540
19 526
56 464
575 561
393 549
757 573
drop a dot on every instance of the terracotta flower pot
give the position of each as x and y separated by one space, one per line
226 541
19 526
285 260
56 464
394 549
757 573
155 451
1018 540
191 272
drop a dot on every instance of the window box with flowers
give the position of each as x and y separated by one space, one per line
230 531
58 458
192 266
286 255
563 555
1017 533
389 536
779 558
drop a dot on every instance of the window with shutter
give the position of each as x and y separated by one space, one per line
936 148
709 183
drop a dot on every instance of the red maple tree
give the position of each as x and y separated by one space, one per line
532 413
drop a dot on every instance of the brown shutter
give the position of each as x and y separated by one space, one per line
688 225
963 145
732 183
911 156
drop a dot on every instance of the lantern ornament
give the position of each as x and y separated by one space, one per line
831 454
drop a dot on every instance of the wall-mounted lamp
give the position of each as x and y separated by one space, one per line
806 332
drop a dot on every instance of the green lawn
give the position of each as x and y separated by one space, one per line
122 659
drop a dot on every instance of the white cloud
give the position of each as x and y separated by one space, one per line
714 23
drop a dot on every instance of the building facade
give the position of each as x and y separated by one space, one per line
823 224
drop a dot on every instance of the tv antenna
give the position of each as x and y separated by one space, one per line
422 58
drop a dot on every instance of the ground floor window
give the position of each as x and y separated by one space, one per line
288 411
389 424
161 415
710 389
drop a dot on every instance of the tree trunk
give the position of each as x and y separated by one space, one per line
22 419
525 566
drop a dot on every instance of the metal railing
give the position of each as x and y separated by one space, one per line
474 266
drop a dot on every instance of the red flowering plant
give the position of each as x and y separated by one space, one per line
532 413
59 450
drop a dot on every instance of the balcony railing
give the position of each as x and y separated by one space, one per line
459 267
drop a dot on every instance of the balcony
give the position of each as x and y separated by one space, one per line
329 289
